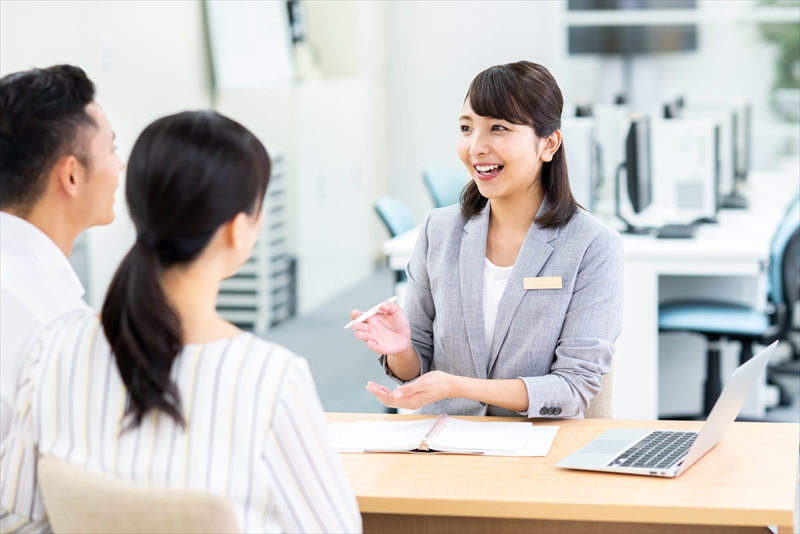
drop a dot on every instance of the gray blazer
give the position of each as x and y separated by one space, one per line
558 341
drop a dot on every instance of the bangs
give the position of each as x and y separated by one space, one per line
497 92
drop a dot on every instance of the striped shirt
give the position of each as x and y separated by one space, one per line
255 431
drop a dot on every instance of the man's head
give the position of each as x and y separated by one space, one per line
56 147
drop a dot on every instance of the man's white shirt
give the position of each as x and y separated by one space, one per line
37 285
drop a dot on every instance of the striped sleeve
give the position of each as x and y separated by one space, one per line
311 492
21 508
16 524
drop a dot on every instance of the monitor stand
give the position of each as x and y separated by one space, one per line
629 228
734 201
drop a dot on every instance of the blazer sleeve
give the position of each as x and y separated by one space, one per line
591 326
418 305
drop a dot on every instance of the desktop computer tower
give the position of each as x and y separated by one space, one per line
685 167
582 158
724 117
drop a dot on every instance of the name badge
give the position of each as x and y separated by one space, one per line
542 282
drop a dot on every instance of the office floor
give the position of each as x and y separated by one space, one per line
340 363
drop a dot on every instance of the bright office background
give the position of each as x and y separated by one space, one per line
368 99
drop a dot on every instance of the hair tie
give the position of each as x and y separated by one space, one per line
146 239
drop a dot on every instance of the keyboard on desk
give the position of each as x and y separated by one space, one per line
677 231
658 449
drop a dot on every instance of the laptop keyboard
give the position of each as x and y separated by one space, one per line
659 449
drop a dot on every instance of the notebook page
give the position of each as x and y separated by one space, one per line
383 435
473 436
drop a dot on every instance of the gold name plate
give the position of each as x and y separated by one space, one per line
542 282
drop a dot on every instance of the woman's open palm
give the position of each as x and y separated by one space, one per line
386 332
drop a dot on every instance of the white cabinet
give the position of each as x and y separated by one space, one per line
261 293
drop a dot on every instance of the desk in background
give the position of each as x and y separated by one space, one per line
737 248
745 483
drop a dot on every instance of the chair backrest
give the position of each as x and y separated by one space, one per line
782 266
396 215
602 406
445 184
78 500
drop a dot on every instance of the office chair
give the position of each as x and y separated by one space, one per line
78 500
398 218
395 214
445 184
717 320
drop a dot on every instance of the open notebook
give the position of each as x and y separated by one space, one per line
444 435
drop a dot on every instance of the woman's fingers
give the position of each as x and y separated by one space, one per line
354 314
387 397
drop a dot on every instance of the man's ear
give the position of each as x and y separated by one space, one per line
551 144
67 175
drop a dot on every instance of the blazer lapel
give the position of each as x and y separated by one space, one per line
471 265
533 254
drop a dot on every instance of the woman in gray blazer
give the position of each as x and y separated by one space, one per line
514 296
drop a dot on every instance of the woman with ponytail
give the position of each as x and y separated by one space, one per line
163 391
514 297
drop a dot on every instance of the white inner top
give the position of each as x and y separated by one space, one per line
494 283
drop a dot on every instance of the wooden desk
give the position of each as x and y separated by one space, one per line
745 483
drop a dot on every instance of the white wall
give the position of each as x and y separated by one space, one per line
147 59
332 130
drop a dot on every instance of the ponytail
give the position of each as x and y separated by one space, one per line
188 174
145 334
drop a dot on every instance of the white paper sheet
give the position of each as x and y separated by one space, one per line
538 444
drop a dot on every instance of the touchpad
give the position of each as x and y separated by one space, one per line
605 446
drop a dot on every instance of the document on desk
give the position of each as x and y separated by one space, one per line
444 435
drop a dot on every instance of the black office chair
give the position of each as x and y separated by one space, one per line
717 320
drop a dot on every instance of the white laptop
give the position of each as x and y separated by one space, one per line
668 453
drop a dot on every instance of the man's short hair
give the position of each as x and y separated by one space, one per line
42 119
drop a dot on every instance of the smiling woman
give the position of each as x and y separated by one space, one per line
514 297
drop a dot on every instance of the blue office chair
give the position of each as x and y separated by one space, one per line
716 320
398 218
395 214
445 184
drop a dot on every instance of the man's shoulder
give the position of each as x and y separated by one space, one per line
28 287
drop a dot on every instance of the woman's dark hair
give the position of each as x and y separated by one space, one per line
187 175
524 93
42 118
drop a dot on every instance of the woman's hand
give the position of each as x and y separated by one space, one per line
386 332
429 388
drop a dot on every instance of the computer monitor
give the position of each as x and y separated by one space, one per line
637 172
637 165
595 5
631 39
742 138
